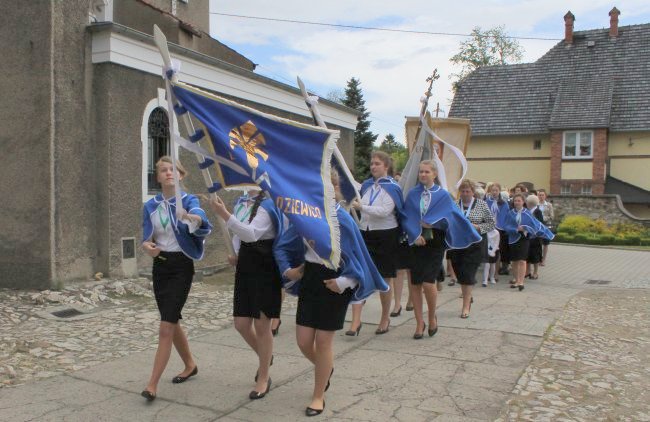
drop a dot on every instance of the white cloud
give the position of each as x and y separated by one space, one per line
393 66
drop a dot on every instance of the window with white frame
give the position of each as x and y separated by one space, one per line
565 189
585 190
578 144
158 146
156 141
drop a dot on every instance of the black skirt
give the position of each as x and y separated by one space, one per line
382 246
535 251
172 279
518 251
466 261
318 306
427 259
257 281
403 256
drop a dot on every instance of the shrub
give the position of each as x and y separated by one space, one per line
581 224
564 237
580 238
645 241
607 239
634 239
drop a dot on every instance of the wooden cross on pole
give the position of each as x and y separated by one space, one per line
434 76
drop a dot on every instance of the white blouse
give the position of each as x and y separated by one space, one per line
377 209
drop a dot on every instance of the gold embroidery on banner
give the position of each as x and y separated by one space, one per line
250 140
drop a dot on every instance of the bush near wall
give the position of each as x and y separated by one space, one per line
584 230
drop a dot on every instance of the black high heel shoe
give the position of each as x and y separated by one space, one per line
396 314
354 332
521 287
254 395
383 330
327 387
432 332
418 336
276 330
180 379
314 412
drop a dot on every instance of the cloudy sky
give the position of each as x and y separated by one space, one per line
393 66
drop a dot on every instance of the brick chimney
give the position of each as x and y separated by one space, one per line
568 27
613 22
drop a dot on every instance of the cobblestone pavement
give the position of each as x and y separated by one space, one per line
123 320
594 364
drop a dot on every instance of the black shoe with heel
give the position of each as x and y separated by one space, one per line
314 412
327 387
354 332
432 332
383 330
180 379
418 336
396 314
254 395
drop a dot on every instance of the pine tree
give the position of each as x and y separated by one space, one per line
390 145
363 138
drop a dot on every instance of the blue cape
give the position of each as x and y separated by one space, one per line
272 210
532 225
393 189
442 214
355 262
502 211
191 243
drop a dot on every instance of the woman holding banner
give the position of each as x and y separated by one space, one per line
324 294
432 223
256 223
173 244
380 206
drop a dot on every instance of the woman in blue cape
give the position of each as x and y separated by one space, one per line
324 294
433 223
499 208
173 244
381 212
256 223
520 226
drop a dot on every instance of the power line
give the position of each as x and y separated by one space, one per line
371 28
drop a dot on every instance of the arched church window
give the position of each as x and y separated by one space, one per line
158 133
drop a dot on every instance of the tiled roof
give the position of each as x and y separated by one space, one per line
596 82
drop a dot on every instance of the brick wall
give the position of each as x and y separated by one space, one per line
600 158
556 161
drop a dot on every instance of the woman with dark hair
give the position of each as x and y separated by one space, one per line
173 244
432 223
256 223
535 248
467 260
499 208
324 293
521 226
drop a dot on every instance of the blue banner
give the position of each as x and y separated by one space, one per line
287 159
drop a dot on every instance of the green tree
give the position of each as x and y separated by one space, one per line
363 137
485 48
389 145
